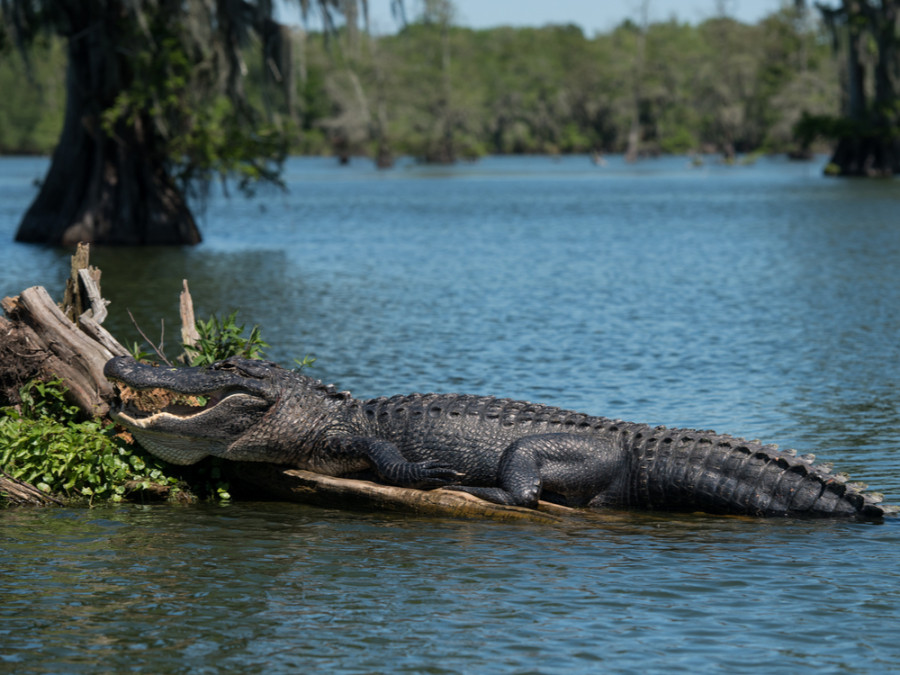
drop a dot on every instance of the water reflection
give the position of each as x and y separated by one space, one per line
260 285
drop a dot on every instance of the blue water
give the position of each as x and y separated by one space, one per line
759 300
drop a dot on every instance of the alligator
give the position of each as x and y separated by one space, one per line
501 450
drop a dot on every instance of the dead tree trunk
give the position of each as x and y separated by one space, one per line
38 340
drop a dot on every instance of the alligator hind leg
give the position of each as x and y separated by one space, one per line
576 467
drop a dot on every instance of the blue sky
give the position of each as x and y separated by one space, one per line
599 15
591 15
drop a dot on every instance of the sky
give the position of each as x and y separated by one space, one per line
592 15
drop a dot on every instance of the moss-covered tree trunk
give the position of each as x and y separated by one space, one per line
868 144
106 186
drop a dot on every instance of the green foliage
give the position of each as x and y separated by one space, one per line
221 339
47 445
31 115
678 142
503 90
306 362
206 137
138 353
810 127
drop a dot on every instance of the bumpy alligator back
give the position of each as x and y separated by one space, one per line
677 469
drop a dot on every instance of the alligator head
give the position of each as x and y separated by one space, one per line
194 412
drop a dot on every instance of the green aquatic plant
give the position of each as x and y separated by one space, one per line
220 339
46 442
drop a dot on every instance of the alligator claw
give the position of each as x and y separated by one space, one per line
429 474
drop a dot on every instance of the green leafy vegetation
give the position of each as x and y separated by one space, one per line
438 91
221 339
206 139
45 441
31 115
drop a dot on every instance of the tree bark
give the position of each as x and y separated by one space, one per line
868 146
102 187
38 340
311 488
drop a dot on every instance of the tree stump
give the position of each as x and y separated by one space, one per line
38 339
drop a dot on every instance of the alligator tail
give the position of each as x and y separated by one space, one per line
704 471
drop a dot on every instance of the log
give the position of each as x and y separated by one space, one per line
19 493
306 487
66 352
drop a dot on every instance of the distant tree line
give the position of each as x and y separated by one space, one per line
440 92
152 99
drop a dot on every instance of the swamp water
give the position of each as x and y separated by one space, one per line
762 301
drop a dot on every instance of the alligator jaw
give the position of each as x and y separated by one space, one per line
183 415
132 407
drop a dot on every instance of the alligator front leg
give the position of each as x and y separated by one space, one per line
390 465
574 467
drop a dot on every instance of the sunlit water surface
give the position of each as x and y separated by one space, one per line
762 301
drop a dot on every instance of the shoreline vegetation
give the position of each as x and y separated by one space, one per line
441 93
59 448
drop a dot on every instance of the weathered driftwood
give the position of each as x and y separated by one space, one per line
19 493
189 333
311 488
39 339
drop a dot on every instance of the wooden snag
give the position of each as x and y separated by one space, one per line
39 339
306 487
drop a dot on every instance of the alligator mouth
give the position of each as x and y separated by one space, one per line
143 406
184 415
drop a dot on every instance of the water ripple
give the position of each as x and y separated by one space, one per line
761 301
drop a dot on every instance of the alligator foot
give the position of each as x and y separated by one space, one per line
420 475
